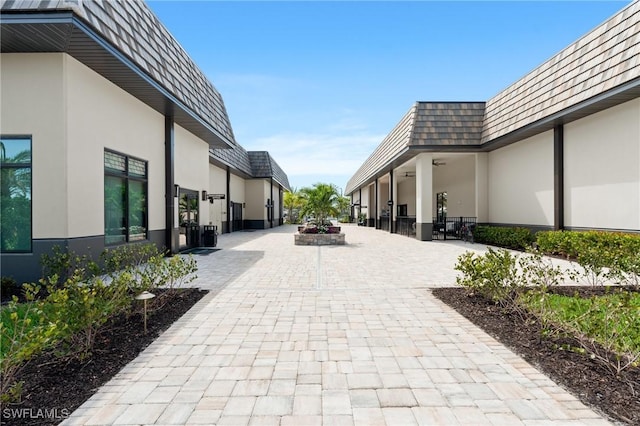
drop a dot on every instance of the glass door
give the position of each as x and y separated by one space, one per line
189 223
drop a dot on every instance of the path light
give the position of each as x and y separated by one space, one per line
145 295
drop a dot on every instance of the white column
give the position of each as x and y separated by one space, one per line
381 202
424 197
393 209
482 187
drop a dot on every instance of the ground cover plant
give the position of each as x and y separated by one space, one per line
587 338
66 313
60 386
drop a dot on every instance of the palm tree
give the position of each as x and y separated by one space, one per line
321 201
343 205
293 202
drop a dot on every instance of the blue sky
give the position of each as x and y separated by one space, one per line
320 84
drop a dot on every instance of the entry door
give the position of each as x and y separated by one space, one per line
189 224
236 208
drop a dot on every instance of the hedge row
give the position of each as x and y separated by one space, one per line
606 255
514 238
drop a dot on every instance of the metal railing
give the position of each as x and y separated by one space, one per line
406 225
454 228
384 223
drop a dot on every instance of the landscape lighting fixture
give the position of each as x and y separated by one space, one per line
145 295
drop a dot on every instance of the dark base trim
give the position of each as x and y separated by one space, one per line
256 224
537 228
26 267
424 231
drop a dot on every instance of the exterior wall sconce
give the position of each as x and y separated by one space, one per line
269 207
212 197
176 190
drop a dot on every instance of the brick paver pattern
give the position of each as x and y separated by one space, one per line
298 335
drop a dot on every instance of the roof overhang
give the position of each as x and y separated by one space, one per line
616 96
63 31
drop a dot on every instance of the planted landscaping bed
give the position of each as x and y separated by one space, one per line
616 396
60 385
585 338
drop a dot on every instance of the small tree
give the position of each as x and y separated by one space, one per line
321 201
343 205
293 202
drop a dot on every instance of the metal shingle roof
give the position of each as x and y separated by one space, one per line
136 32
425 124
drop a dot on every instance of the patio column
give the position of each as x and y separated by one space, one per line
393 195
376 212
424 197
482 187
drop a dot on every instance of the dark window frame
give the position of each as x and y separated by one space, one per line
29 165
127 177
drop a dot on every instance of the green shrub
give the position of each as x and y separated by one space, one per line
86 306
25 331
559 243
510 237
128 256
602 255
492 275
63 264
68 312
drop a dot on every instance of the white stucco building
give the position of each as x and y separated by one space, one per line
110 134
557 149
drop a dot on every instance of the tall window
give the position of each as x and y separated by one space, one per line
15 194
125 198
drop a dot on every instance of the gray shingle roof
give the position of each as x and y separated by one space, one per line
425 124
252 164
606 57
236 158
264 166
136 32
600 70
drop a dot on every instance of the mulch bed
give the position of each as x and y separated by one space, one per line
588 380
54 388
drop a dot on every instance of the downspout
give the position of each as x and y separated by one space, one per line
170 241
228 199
391 201
271 208
558 177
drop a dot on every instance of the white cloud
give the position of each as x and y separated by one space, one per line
318 154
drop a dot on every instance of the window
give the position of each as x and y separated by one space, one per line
125 198
15 194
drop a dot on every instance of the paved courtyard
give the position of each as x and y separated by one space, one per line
342 335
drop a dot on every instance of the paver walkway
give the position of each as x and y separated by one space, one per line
347 335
